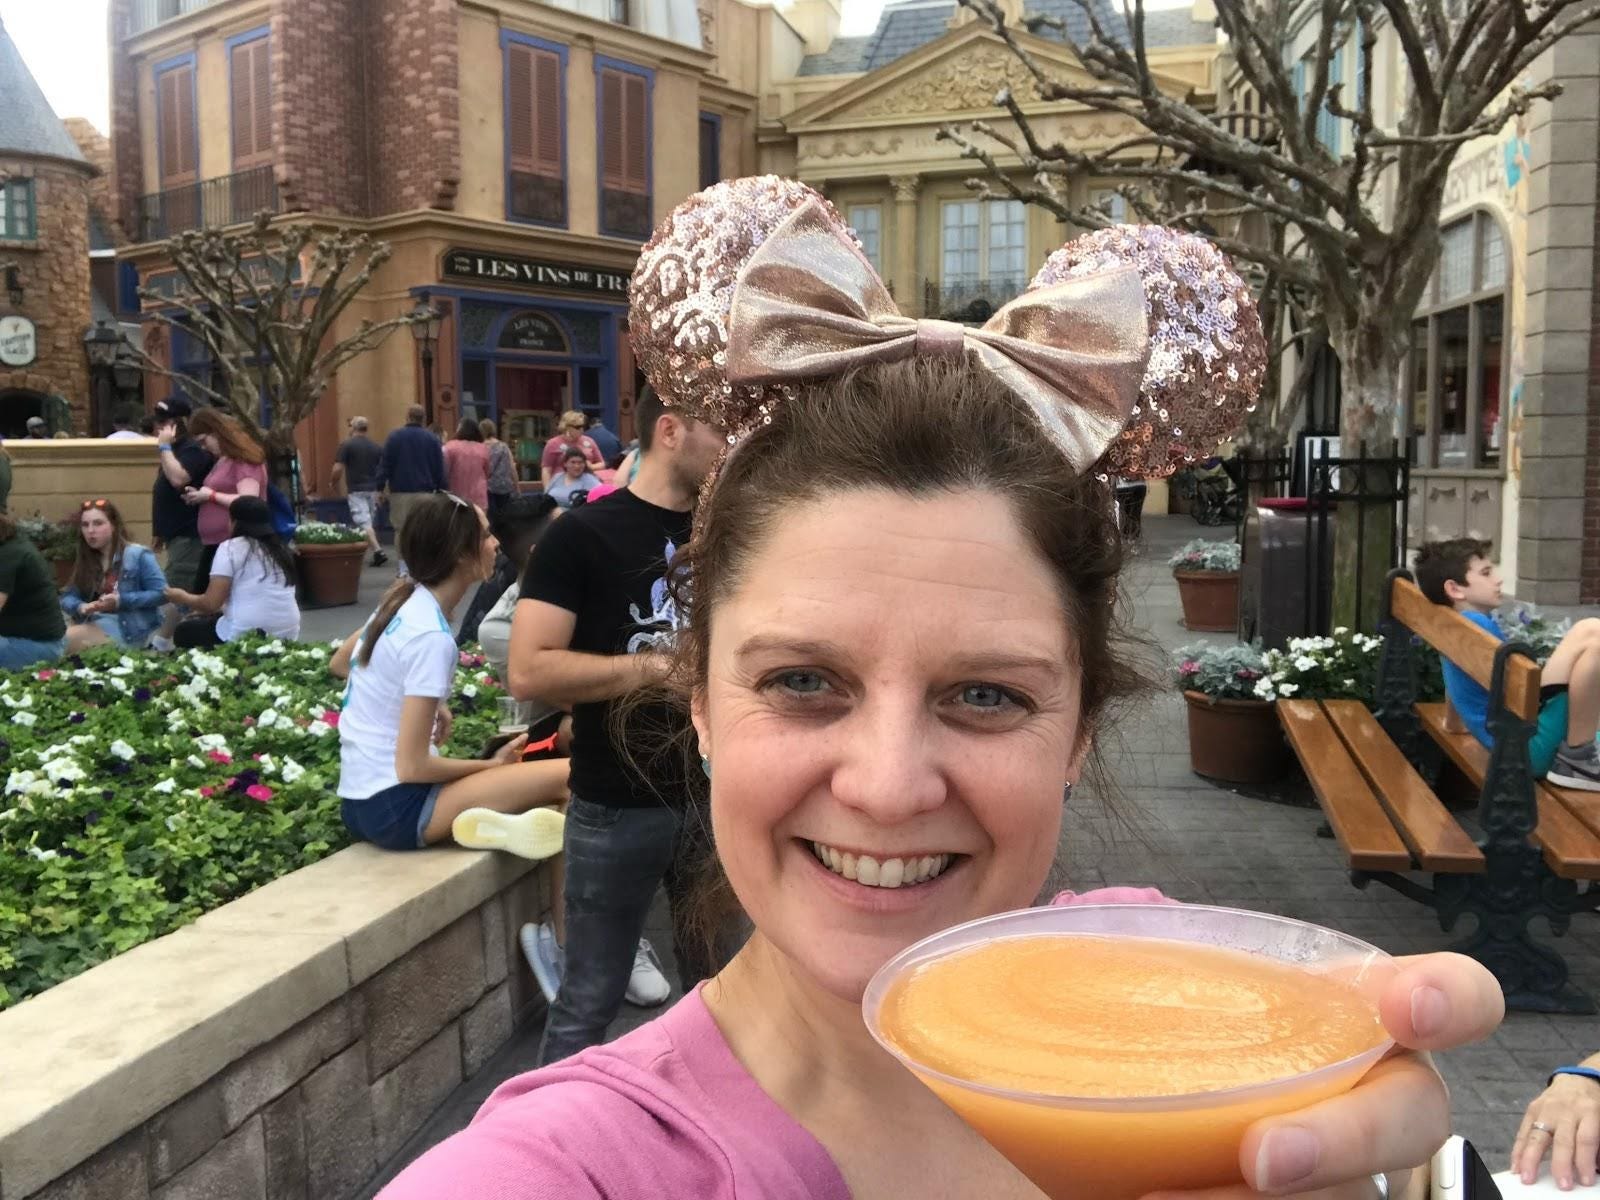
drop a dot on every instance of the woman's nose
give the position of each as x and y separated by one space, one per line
888 764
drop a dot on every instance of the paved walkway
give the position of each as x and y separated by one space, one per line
1167 827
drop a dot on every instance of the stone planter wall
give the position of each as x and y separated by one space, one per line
284 1046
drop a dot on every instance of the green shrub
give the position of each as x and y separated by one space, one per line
322 533
1230 672
1203 555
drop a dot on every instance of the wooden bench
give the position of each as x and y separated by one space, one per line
1532 845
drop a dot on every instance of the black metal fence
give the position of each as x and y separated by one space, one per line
209 204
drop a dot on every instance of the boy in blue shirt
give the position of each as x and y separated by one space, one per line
1461 575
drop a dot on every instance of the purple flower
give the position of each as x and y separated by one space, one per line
141 694
117 767
77 718
91 818
107 794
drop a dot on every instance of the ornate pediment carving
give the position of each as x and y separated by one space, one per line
965 81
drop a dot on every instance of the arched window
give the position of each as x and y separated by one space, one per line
1455 401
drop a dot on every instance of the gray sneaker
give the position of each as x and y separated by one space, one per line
1576 768
545 957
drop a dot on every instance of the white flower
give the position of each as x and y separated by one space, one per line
1349 683
165 787
1340 629
194 760
1305 663
18 781
267 719
291 770
62 769
172 822
319 729
25 719
1288 689
1264 689
265 765
124 751
42 855
469 691
211 741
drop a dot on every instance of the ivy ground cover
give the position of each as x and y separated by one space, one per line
142 790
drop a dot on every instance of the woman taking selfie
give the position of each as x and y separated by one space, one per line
251 588
117 587
901 649
397 791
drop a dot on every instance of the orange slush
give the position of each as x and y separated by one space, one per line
1156 1024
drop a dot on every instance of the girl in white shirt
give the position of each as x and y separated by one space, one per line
252 584
398 792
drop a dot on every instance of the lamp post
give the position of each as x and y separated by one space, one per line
100 345
425 323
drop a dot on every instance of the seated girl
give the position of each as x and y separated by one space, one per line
117 587
575 477
252 585
398 791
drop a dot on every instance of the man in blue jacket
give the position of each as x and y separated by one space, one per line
412 467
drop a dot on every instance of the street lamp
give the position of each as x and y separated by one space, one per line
100 344
425 323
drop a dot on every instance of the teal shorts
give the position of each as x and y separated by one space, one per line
1548 733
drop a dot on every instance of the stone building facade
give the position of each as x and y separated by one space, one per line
44 258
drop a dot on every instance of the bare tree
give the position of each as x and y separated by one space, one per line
264 301
1364 251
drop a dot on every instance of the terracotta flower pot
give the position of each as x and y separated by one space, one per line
1236 741
330 575
1210 600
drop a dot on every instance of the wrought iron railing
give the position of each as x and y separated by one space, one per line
209 204
147 14
970 300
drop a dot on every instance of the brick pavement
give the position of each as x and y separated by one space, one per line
1205 844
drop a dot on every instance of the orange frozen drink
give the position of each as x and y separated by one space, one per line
1109 1066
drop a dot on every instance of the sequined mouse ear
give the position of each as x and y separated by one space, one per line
682 289
1208 356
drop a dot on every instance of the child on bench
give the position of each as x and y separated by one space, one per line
1460 574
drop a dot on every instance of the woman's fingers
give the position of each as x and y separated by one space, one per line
1395 1118
1530 1146
1588 1149
1439 1001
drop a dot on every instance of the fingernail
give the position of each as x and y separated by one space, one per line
1429 1009
1287 1155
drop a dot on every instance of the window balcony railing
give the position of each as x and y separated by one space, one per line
147 14
972 301
209 204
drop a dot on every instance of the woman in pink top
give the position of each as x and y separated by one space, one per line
894 680
240 470
466 464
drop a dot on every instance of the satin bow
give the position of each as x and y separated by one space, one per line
808 305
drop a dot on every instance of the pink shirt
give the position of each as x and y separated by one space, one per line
225 477
665 1111
556 449
466 466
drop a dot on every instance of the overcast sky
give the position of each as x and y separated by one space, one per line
64 44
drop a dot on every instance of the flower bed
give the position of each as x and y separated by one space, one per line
143 790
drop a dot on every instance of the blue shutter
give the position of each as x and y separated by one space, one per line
1327 123
1361 72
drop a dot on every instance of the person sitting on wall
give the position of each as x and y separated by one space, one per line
117 587
252 584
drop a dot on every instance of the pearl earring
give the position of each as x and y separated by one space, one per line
705 765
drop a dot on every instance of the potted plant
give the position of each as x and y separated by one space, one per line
330 563
1233 731
57 542
1343 666
1208 584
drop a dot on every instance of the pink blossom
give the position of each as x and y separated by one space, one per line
208 791
331 717
219 756
249 720
47 673
1188 667
259 791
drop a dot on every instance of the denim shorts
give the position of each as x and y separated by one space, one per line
393 818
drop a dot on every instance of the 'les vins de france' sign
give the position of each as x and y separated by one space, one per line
510 270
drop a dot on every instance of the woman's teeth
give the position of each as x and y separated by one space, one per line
884 873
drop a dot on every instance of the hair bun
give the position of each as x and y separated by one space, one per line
1208 356
682 288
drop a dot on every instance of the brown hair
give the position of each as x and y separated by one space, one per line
231 436
1439 563
439 532
8 526
88 576
468 431
917 429
489 429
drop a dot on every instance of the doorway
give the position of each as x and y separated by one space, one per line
529 400
16 406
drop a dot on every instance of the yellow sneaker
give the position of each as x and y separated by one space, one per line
534 834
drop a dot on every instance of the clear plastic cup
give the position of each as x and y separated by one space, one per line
1109 1148
514 714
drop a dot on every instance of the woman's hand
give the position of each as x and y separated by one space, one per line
195 497
1570 1107
443 723
176 595
107 603
167 432
511 752
1397 1116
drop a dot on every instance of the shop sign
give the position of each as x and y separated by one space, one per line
533 331
19 341
257 272
510 270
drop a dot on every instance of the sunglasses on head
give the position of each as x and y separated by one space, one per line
101 503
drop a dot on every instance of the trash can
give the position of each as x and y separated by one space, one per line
1275 601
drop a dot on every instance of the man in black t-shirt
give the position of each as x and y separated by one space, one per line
355 468
184 464
593 613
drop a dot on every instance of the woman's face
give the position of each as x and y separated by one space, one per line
574 465
487 548
212 446
96 527
572 433
893 683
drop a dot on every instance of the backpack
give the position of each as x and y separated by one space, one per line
283 522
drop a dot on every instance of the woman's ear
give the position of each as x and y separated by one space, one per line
1082 746
702 725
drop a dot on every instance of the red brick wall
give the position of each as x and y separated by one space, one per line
1590 581
414 135
319 114
127 152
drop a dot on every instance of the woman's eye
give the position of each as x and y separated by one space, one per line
800 683
986 695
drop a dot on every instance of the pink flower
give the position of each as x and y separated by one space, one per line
259 791
47 673
249 720
218 756
1188 667
208 791
331 717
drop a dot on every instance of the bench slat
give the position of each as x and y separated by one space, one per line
1434 836
1465 644
1585 806
1364 830
1571 849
